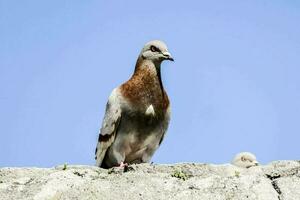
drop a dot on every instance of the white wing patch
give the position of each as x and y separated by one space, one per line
150 110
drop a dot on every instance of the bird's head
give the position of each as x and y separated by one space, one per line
245 159
156 51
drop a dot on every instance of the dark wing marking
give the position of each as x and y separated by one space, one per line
109 127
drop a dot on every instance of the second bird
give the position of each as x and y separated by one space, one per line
137 113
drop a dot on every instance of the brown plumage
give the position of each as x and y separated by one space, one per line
145 88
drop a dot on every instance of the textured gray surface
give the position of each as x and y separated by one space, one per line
277 180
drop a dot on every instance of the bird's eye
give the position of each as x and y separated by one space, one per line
153 48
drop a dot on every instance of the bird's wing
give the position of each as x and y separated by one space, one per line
165 124
109 127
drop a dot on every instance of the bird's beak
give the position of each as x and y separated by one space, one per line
168 56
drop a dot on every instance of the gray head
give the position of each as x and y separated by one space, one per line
245 160
156 51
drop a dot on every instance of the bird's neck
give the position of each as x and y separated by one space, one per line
143 65
145 88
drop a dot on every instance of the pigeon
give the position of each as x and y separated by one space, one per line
137 113
245 160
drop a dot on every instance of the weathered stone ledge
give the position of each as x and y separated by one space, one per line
277 180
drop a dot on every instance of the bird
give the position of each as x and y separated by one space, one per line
137 113
245 160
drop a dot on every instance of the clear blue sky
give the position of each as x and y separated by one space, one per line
234 85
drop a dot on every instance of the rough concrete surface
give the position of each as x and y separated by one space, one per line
277 180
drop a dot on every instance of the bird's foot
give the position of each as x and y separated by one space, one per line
123 165
119 169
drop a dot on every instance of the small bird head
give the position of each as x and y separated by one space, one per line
156 51
245 160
